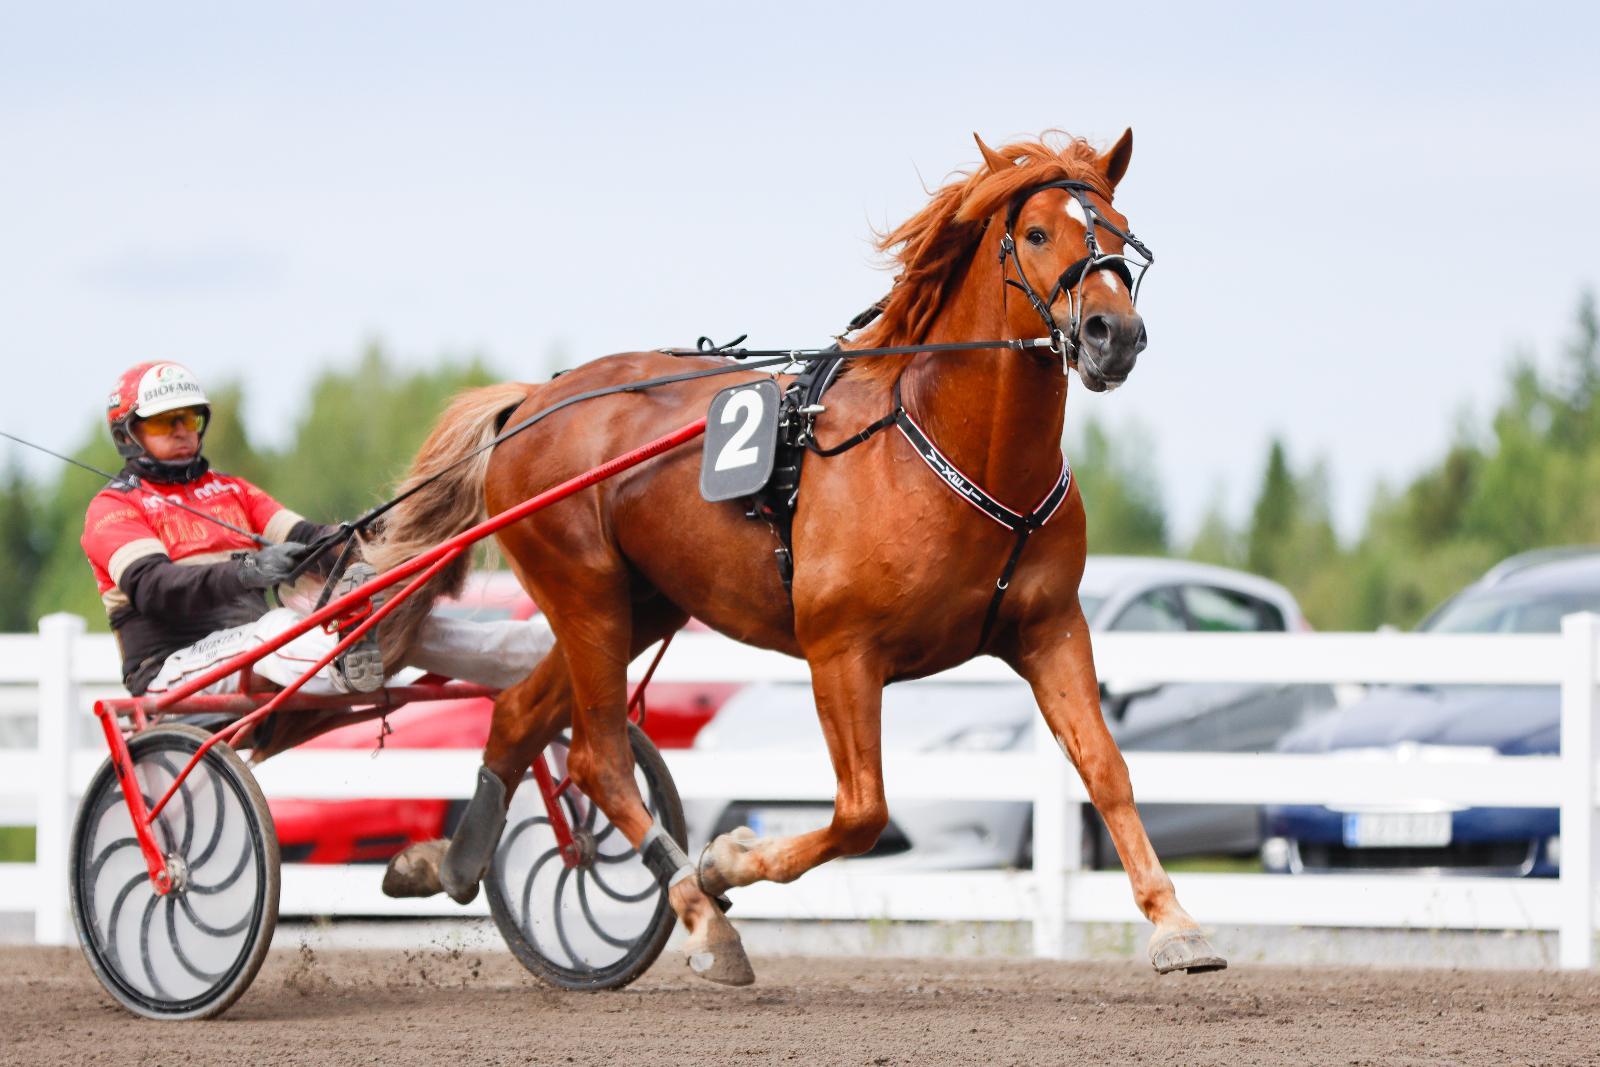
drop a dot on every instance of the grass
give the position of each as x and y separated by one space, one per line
1216 865
16 844
1208 865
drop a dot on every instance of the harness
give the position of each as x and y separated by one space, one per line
775 502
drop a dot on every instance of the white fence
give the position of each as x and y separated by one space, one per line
66 666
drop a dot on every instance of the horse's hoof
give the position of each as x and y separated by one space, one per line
718 856
725 964
415 872
1184 950
717 954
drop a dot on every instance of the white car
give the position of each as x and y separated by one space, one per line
1117 593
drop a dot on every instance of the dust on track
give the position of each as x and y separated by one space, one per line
440 1006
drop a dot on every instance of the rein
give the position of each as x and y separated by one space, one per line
129 483
758 359
1065 343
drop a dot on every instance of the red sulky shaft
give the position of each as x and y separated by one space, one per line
426 564
339 607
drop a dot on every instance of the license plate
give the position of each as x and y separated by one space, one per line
1397 829
787 822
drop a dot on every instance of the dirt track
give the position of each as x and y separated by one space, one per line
440 1007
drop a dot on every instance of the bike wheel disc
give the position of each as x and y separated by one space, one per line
190 953
601 923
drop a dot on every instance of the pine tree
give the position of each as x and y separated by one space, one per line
1273 517
1121 493
20 551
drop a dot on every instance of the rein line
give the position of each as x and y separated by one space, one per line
129 483
757 359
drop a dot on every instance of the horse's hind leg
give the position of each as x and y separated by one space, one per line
526 717
596 643
849 695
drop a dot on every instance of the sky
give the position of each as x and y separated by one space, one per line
1359 211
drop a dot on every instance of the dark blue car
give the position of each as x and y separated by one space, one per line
1526 594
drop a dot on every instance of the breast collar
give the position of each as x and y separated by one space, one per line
1022 525
971 491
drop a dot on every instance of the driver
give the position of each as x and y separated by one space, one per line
184 594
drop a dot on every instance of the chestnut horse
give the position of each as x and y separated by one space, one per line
893 573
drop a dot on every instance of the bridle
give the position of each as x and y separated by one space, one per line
1065 342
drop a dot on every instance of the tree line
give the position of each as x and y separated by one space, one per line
1518 480
1512 482
355 436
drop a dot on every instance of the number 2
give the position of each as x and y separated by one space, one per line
737 453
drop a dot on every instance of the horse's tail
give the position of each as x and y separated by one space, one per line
441 509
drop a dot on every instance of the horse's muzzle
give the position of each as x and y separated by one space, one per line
1110 343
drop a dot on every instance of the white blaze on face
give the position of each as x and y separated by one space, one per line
1075 212
1109 278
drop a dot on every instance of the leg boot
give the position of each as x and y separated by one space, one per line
472 845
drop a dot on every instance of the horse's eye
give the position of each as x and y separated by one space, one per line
1036 237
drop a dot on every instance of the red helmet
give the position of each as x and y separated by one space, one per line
149 389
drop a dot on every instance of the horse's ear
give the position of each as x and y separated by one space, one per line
998 164
1114 164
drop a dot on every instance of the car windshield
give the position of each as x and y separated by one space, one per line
1510 614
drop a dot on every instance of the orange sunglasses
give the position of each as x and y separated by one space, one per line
169 422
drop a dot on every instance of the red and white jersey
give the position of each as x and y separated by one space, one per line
124 525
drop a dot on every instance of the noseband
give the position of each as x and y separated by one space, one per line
1065 342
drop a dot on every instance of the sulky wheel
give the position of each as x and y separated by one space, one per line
601 922
191 953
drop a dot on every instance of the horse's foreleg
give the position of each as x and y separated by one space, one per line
1058 663
849 695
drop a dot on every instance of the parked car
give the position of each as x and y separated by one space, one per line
354 831
1526 594
1118 593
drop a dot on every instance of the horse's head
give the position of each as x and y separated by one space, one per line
1071 253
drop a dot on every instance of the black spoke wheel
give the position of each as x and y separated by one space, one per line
600 923
190 953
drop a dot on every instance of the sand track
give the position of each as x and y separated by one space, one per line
439 1007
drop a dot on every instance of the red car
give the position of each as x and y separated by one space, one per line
368 831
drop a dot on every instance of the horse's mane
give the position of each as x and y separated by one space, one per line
930 248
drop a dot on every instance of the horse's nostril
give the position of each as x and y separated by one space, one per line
1097 330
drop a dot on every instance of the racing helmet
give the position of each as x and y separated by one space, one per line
149 389
146 391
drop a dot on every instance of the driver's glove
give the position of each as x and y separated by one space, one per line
271 566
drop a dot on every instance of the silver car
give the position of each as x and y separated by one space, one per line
1118 593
